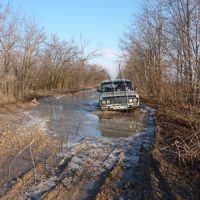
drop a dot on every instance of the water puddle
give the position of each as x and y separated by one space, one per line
75 118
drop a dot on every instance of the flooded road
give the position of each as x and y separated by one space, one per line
77 117
64 147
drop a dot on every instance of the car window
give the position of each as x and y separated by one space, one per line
117 86
130 87
107 87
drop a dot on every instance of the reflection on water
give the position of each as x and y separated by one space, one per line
122 124
73 118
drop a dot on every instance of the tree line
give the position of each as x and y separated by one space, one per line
162 51
31 60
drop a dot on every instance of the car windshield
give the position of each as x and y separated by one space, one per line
116 86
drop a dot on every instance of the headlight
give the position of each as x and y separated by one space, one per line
103 102
108 101
130 100
135 100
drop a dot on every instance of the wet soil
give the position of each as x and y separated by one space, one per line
128 168
172 174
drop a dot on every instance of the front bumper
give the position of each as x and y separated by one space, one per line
128 106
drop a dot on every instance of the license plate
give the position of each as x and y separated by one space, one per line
120 107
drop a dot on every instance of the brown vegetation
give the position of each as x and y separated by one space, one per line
161 55
161 51
32 61
173 162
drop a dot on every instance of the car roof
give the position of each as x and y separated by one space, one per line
115 80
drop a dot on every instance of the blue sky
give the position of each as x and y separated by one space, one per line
100 21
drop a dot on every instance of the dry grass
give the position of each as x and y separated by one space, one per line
33 146
187 149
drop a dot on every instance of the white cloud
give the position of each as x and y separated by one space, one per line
110 53
109 61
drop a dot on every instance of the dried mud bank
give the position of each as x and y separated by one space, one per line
10 108
169 178
32 98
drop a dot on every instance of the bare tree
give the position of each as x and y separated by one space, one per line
162 49
30 49
31 61
84 55
8 41
58 59
183 38
144 45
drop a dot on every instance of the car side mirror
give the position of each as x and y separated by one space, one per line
98 90
135 88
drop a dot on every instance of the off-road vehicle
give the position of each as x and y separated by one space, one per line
118 94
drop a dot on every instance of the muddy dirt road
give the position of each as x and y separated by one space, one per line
63 148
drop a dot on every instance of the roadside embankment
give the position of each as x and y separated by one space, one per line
174 159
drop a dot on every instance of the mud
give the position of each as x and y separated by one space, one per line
64 148
92 169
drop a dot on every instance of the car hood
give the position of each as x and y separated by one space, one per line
119 94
